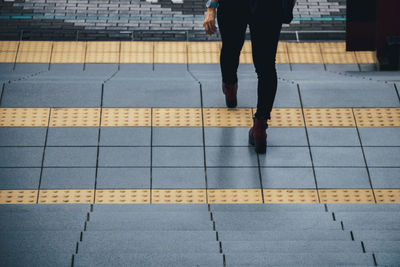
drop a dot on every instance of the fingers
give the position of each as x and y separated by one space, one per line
210 26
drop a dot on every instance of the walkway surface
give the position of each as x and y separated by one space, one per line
141 164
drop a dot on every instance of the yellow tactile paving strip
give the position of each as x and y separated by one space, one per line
192 117
214 196
173 52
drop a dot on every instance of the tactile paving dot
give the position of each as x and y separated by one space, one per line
178 196
290 196
74 117
224 117
346 196
234 196
33 57
169 47
35 46
121 196
144 57
333 47
18 196
302 48
137 47
56 196
282 58
339 58
203 58
204 47
177 117
366 57
18 117
102 47
246 58
102 57
377 117
126 117
7 57
305 58
329 117
8 46
387 195
285 117
170 58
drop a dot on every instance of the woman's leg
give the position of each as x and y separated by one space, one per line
232 21
265 26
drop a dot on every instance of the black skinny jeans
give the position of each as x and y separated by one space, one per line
265 20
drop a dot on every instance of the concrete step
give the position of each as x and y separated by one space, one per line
288 235
298 259
377 207
37 258
382 246
42 223
160 224
170 216
173 236
224 224
387 259
291 216
148 259
291 246
151 245
376 234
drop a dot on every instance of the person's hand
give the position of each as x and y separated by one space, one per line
209 21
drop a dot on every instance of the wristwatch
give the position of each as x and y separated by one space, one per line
212 4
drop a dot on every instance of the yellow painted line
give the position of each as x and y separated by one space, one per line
188 195
175 52
192 117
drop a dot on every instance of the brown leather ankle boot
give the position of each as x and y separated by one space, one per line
258 134
230 91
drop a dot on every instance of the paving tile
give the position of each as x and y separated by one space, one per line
272 207
178 157
307 67
387 259
287 178
68 178
30 67
337 156
118 178
342 178
382 156
333 136
36 223
125 136
386 235
223 178
299 259
21 156
289 235
170 68
380 136
363 207
231 156
66 67
282 66
149 259
286 157
70 157
103 70
385 177
348 94
170 93
50 257
134 70
19 178
124 157
154 207
292 246
72 136
286 136
178 178
382 246
342 67
51 94
177 136
22 136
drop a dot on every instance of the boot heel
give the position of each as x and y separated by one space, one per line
261 147
231 104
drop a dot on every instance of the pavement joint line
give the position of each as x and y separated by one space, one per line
397 91
43 157
364 157
2 92
308 142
